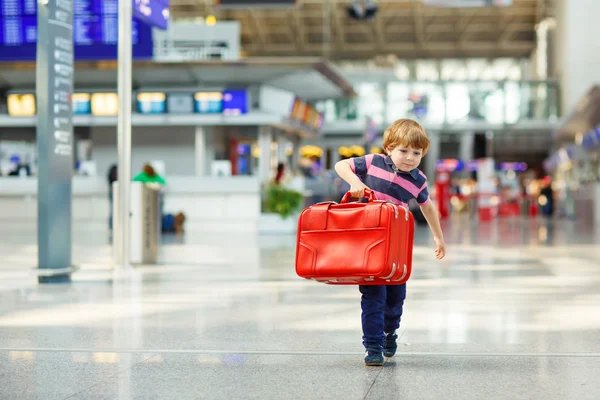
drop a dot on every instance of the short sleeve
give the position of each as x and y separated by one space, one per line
359 165
423 196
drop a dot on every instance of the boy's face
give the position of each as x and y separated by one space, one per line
405 158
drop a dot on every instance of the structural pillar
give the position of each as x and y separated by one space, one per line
295 154
265 140
54 89
282 142
433 155
467 146
576 59
335 154
204 151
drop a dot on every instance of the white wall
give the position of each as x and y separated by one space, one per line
577 55
174 145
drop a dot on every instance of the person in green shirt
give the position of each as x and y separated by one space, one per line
149 175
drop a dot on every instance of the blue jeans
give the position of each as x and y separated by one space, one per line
381 312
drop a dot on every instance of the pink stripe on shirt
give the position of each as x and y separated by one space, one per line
398 180
369 160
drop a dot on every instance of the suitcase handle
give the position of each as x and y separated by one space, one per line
368 193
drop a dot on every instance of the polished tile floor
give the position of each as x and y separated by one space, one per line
512 313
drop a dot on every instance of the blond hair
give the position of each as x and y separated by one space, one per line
406 132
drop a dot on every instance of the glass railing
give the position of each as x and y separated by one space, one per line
449 102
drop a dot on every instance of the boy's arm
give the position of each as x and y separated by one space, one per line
344 170
431 215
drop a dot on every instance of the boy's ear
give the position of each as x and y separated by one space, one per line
388 150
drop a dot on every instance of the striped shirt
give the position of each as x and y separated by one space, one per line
378 172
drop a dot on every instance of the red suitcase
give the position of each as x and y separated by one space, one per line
355 243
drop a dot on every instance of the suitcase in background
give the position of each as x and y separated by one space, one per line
355 243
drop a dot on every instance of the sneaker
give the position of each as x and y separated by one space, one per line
390 345
373 358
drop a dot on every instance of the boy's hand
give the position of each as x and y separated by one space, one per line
440 250
357 190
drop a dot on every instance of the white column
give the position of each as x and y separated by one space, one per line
201 145
597 206
265 139
296 153
467 144
577 55
282 142
433 155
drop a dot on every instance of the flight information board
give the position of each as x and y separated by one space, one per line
95 31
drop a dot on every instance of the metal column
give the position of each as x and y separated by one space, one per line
202 167
282 142
265 140
124 132
433 155
54 87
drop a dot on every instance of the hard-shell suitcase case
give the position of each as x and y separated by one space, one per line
355 243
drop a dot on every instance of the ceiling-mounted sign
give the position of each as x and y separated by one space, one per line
468 3
255 3
95 30
82 103
235 102
21 105
105 104
153 12
152 102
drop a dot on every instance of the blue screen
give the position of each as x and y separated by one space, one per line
95 31
235 102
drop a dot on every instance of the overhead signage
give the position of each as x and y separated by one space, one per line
208 102
104 104
95 31
235 102
180 103
152 103
307 114
21 105
82 104
153 12
467 3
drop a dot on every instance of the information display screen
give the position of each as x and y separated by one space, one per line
208 102
235 102
152 103
95 31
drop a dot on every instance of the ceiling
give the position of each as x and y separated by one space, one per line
404 28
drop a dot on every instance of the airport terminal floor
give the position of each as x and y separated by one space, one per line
511 313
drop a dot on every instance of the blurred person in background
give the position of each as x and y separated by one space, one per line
546 198
149 175
112 178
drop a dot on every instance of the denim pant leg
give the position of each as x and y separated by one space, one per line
393 307
373 306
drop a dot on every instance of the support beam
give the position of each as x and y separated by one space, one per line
518 46
340 35
297 27
378 33
257 28
513 28
415 5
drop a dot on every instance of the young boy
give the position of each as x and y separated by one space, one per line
393 177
